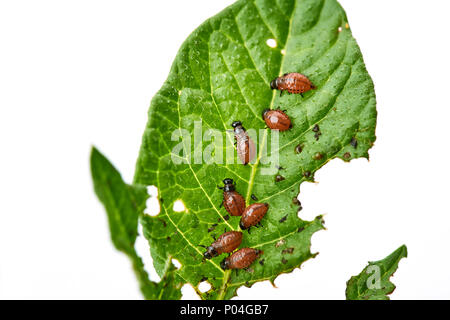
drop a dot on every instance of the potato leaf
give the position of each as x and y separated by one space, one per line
221 74
124 204
373 282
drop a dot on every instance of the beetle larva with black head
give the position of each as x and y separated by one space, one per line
253 215
277 120
241 259
293 82
233 202
244 145
226 243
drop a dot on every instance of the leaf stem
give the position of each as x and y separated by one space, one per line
226 277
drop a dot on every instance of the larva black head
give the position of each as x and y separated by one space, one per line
264 113
225 264
229 185
228 181
273 84
236 124
242 225
210 253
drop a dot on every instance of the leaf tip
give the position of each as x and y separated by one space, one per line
95 157
94 152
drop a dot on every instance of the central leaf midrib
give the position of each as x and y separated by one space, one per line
255 166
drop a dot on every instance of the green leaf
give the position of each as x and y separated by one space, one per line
124 204
222 73
373 282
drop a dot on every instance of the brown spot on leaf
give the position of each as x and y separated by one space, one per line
288 250
318 156
163 222
317 135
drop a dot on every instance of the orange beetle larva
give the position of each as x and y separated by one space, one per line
241 259
293 83
244 145
277 120
226 243
253 214
233 202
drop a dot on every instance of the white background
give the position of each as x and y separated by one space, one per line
78 73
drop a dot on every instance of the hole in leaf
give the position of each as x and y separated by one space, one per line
176 263
152 205
283 52
271 43
142 248
204 286
178 206
307 190
189 293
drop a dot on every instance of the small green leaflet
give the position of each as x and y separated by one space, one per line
373 282
221 74
124 204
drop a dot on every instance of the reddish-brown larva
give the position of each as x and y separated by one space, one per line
233 202
241 259
226 243
293 83
253 214
277 120
244 145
